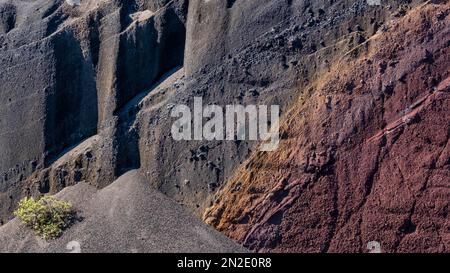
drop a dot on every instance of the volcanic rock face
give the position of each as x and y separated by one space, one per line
66 71
86 94
365 155
268 65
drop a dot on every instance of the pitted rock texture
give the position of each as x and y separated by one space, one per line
365 155
265 66
66 72
86 94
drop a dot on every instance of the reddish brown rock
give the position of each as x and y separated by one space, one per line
364 157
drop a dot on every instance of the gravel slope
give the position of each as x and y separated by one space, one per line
127 216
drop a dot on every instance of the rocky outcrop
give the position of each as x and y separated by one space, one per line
87 92
267 66
68 71
365 155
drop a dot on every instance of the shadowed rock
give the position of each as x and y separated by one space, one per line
86 93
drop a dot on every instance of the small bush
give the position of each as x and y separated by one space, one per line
47 216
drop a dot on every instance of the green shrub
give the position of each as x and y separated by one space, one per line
47 216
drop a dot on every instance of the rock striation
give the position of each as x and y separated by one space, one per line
86 93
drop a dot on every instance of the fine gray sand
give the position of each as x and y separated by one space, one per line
127 216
